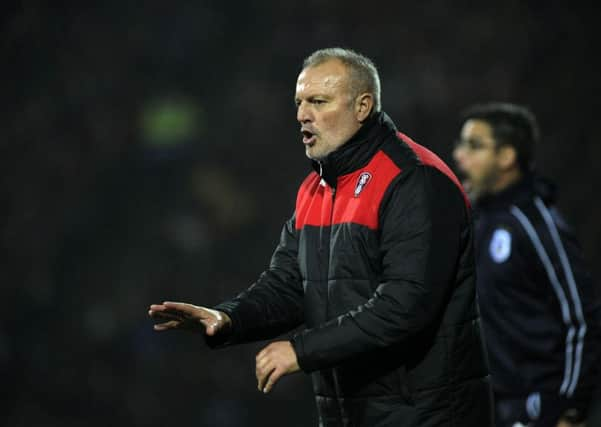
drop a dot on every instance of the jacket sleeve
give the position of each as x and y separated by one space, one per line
590 351
273 304
421 221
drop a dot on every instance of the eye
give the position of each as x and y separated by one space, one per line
470 144
474 144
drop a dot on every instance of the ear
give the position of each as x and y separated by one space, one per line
364 103
507 157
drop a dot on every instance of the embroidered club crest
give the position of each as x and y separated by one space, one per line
533 405
500 245
362 182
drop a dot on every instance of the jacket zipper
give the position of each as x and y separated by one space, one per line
343 416
326 270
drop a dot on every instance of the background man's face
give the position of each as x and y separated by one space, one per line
325 108
476 157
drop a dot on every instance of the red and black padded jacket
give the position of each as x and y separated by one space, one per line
377 262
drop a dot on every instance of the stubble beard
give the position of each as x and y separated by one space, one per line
486 185
313 154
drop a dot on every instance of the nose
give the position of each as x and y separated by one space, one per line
303 113
459 154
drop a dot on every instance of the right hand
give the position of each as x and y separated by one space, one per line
179 315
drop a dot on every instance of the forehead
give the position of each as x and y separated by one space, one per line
326 77
476 128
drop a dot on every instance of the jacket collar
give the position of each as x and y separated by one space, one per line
357 151
526 188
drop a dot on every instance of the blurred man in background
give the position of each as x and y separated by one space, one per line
540 314
376 262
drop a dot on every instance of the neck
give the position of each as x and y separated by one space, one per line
506 179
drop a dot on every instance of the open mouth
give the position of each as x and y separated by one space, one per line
467 185
464 179
308 137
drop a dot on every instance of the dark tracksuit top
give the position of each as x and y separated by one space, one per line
537 302
377 262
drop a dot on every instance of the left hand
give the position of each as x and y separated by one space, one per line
183 316
273 362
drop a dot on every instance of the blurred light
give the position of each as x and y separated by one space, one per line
171 122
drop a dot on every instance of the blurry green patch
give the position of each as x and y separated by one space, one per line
169 122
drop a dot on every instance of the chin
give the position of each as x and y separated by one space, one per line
476 193
312 154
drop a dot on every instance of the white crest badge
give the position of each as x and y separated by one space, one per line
500 245
362 182
533 405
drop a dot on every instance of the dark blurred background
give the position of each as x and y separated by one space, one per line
149 151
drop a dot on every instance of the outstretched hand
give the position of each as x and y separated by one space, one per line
273 362
179 315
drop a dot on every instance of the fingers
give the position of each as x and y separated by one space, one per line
266 371
262 371
171 324
188 309
159 311
164 315
155 309
273 362
174 319
189 316
263 376
275 375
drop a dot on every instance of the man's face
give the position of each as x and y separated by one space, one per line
325 108
477 158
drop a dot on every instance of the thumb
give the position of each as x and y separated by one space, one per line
211 325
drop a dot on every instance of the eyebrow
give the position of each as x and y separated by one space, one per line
310 98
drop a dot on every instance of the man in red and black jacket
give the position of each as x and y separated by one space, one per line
377 262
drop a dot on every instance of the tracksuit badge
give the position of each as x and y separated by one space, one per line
533 405
362 182
500 245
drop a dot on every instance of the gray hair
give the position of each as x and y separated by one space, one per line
363 74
